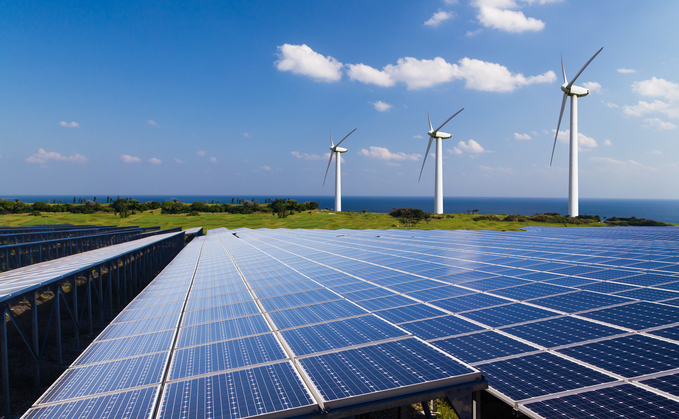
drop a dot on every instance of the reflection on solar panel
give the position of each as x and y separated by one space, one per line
563 322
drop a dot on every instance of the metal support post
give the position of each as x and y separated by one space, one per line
427 411
5 360
36 340
89 298
76 320
57 301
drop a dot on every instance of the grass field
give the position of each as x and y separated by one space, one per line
309 219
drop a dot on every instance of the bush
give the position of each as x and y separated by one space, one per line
36 213
488 217
193 214
633 221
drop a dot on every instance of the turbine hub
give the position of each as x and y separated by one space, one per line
574 90
338 149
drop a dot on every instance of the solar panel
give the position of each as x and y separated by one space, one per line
483 346
562 331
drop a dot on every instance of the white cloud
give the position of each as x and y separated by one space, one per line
382 153
518 136
610 105
200 153
366 74
499 14
213 160
179 161
155 161
153 123
71 124
470 147
381 106
593 86
658 124
626 70
42 157
265 167
129 159
659 88
473 33
438 18
302 60
477 74
584 142
246 135
608 142
310 157
417 136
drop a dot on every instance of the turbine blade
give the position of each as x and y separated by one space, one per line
563 70
331 143
425 157
430 127
584 67
558 125
328 168
437 129
346 137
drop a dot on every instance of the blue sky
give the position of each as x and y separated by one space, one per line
239 97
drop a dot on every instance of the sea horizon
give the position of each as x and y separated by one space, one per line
666 210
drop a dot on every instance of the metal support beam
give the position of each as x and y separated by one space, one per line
4 359
461 399
427 411
36 340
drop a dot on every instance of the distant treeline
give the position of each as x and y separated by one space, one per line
125 206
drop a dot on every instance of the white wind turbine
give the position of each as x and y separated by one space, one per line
335 151
574 92
435 134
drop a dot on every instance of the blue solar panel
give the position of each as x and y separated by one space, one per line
317 313
223 356
508 314
440 327
648 280
440 293
530 291
570 281
138 327
623 402
409 313
416 286
298 299
286 288
538 375
607 287
469 302
135 404
218 300
561 331
667 383
579 301
221 330
482 346
609 274
629 356
494 283
650 294
371 293
339 334
386 302
244 393
637 316
377 368
109 350
110 376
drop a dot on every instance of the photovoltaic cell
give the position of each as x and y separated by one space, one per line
667 383
221 330
213 314
440 327
561 331
579 301
637 316
469 302
108 350
317 313
482 346
508 314
409 313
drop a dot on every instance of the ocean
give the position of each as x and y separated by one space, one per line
666 210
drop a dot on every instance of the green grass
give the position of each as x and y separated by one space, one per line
309 219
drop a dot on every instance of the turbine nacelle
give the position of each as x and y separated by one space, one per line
441 135
335 148
574 90
338 149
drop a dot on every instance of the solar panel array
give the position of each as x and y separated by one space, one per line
227 330
563 322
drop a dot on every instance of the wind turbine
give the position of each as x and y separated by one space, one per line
336 150
435 134
569 89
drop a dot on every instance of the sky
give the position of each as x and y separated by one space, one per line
239 97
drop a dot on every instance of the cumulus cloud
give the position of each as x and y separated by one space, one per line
584 142
200 153
626 70
42 157
155 161
470 147
608 142
477 74
153 123
302 60
518 136
381 106
382 153
667 91
658 124
129 159
71 124
310 157
438 18
213 160
502 15
366 74
593 86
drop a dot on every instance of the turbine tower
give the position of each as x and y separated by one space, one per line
438 183
335 151
569 89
